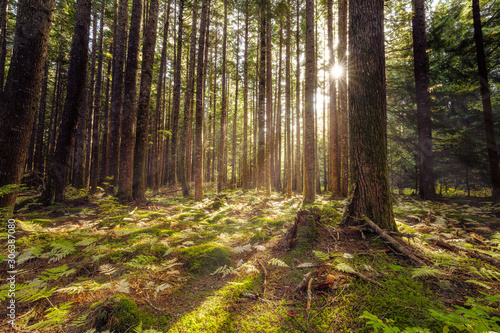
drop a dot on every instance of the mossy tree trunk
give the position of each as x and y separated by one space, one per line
367 116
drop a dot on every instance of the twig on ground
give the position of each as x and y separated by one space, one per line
154 307
472 253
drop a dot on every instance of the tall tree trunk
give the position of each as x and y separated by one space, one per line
129 115
368 115
309 133
422 79
198 181
141 143
19 99
156 159
245 175
288 105
119 45
261 153
221 178
298 159
172 176
105 132
186 132
75 97
233 167
80 144
343 112
94 176
269 106
486 98
39 147
4 10
277 144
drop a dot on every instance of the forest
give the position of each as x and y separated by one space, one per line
250 166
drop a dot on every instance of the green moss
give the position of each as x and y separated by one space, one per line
124 315
260 236
216 205
205 259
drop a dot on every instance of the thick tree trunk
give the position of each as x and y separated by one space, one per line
4 10
234 158
343 119
75 97
19 100
288 105
119 49
222 157
309 113
367 113
141 143
245 174
198 181
486 98
186 131
94 175
298 185
129 114
39 146
422 79
105 133
80 144
269 106
277 142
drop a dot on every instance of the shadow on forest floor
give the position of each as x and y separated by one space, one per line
175 265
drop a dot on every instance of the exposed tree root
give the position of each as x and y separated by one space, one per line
472 253
394 243
264 279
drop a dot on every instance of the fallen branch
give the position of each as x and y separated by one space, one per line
309 295
394 243
472 253
154 307
366 278
303 283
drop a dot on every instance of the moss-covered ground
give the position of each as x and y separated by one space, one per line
223 265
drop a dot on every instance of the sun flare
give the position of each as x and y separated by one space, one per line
336 71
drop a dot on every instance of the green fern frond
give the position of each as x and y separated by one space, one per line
32 252
29 226
56 273
60 250
138 328
107 269
481 284
490 274
322 256
224 270
29 293
277 262
424 271
495 238
346 268
55 316
86 241
80 321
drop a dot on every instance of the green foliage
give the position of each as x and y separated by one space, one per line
424 271
204 259
55 316
321 255
277 262
31 253
60 249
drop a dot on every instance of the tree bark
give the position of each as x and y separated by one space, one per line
141 143
422 81
222 159
75 97
245 174
199 102
368 114
233 167
298 185
39 145
343 117
4 10
309 112
486 99
19 100
269 106
129 115
288 105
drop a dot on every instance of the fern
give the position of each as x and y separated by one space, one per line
107 269
31 293
32 252
80 287
305 265
162 287
224 270
424 271
29 226
277 262
495 238
56 273
80 321
86 241
241 249
321 255
55 317
122 286
60 250
481 284
345 268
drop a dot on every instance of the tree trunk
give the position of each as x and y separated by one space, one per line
368 114
188 107
75 97
19 99
245 175
222 159
486 98
198 185
298 159
422 79
80 144
94 176
39 146
105 133
4 10
343 112
141 143
288 104
233 167
129 115
278 145
269 106
309 113
119 45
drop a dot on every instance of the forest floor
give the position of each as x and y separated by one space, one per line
223 265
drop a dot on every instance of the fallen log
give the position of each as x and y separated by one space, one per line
394 243
472 253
